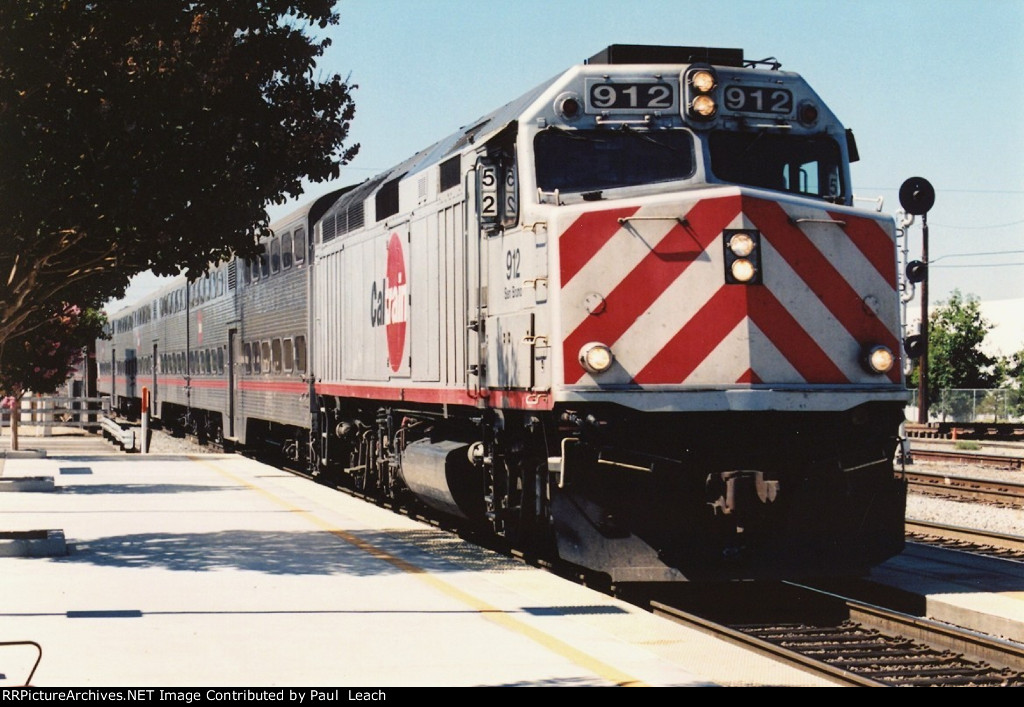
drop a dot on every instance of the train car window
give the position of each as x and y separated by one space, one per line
275 355
289 355
247 358
286 251
275 256
257 364
574 161
264 263
300 354
300 246
254 264
220 360
265 352
803 164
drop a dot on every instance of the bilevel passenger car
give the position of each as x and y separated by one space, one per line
632 315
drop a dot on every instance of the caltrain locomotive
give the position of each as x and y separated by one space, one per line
632 316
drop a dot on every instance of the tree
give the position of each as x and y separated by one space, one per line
153 136
956 331
1011 371
44 357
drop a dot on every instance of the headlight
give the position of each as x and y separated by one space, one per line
743 270
704 106
596 357
741 245
879 359
702 80
742 248
700 83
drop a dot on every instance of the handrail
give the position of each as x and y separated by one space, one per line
39 657
124 437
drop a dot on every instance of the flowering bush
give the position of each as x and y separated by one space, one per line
45 356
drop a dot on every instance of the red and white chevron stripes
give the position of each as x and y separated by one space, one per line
828 289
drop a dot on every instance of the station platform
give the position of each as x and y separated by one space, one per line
985 594
219 571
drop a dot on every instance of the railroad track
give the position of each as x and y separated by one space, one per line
957 456
1002 493
852 643
978 542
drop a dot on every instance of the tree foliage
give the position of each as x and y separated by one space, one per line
956 332
153 136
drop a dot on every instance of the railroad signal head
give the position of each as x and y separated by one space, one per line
917 271
917 196
914 346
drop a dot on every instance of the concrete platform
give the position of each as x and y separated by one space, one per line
219 571
982 593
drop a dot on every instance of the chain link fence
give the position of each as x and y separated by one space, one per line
973 405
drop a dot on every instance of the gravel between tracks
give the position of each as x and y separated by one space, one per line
972 515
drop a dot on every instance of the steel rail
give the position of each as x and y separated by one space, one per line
967 457
988 490
767 648
973 536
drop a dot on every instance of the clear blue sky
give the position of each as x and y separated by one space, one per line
931 88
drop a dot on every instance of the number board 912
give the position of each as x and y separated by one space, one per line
603 96
758 99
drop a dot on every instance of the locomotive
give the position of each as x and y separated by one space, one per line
632 317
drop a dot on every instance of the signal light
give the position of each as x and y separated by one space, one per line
914 346
916 271
807 114
568 106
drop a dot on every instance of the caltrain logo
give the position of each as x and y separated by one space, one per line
388 303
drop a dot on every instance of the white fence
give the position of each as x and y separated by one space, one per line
52 411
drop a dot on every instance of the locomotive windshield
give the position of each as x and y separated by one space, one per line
802 164
592 160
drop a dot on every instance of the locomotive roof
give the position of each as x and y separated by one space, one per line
480 129
495 121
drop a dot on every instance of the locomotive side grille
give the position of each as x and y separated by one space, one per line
232 274
327 228
354 218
